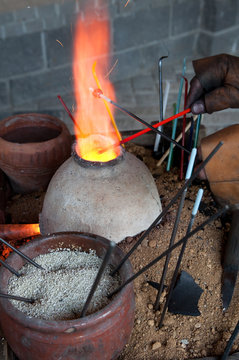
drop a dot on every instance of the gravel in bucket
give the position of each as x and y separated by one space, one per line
61 289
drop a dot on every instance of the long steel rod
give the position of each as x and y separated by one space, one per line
165 210
13 271
175 274
170 157
175 228
169 250
98 277
161 99
18 298
183 128
100 95
21 254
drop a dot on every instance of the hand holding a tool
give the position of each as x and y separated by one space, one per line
216 84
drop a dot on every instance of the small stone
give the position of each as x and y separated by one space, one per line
226 335
152 243
171 343
184 341
156 345
213 330
197 326
151 322
138 321
150 306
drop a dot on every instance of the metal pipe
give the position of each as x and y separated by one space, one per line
98 277
21 254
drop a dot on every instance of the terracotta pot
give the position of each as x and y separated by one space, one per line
32 147
100 336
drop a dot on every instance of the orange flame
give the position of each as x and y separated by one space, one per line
16 232
95 130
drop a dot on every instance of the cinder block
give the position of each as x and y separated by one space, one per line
68 10
56 53
140 28
144 83
33 25
124 92
204 44
186 16
125 7
227 42
20 55
6 18
25 14
14 29
148 100
130 63
35 87
4 95
55 22
53 103
46 11
219 14
181 46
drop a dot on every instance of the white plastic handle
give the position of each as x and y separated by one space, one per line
191 163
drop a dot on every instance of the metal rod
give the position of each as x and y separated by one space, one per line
22 255
167 152
98 277
169 250
100 95
165 210
175 274
191 134
68 112
230 342
18 298
141 132
197 130
9 268
175 228
176 120
165 102
184 126
158 137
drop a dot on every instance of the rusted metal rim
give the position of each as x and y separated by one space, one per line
94 164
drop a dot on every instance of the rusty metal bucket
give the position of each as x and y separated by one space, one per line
100 336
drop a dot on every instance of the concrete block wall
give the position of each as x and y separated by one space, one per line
36 52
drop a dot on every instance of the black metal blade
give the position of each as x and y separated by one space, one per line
228 284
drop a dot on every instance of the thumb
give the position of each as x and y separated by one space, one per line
195 91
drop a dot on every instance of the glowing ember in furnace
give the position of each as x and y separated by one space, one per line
95 130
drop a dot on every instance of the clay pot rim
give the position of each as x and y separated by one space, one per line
60 125
64 325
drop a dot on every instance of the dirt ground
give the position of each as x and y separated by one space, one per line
181 337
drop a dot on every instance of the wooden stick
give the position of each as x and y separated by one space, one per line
178 139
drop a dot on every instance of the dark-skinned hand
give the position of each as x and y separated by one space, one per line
215 85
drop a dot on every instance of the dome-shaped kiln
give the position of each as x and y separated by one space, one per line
115 199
